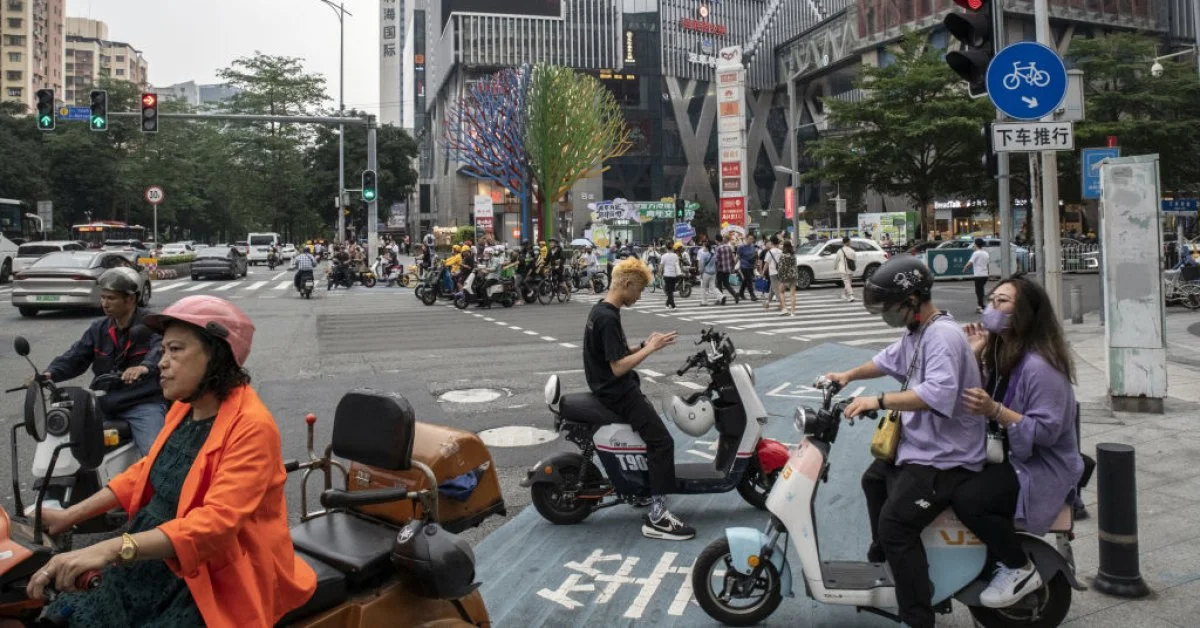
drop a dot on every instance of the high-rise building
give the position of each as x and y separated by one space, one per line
396 62
203 96
90 55
31 48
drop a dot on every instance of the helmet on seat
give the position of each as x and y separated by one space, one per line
434 563
895 281
123 280
695 417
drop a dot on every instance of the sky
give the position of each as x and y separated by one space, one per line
191 40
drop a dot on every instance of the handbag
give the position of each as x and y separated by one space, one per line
886 439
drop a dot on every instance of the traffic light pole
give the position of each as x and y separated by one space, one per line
1003 181
1051 250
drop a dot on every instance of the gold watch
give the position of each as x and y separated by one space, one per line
129 549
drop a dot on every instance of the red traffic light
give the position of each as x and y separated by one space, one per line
970 5
148 100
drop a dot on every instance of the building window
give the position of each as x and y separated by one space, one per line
121 59
16 5
14 92
121 72
14 40
14 22
70 52
15 57
12 75
70 95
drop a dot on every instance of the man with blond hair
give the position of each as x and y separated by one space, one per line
608 364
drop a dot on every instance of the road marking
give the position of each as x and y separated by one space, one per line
549 339
649 373
692 385
284 285
531 332
198 286
514 328
280 275
568 371
227 286
255 286
502 323
568 345
170 286
488 318
877 332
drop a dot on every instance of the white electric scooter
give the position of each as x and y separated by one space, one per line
740 578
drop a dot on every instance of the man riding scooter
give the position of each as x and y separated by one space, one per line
112 345
608 364
304 265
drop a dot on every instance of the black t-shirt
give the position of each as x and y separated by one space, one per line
604 342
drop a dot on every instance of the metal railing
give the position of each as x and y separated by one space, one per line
1076 258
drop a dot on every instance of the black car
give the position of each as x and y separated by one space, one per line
219 261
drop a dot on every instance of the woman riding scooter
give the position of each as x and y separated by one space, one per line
208 542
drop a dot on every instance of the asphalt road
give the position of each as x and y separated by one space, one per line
307 354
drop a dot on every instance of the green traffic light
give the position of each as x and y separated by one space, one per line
45 120
98 122
369 195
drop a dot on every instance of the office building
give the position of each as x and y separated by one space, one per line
31 49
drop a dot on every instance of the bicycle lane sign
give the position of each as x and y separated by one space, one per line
1027 80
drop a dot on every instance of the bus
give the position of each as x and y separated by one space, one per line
16 227
95 234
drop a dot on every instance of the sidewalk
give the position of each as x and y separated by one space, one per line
1168 481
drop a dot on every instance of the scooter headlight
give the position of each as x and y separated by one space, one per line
58 422
800 418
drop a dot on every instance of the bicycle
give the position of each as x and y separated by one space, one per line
1030 73
1182 286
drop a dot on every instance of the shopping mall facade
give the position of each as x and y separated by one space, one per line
658 59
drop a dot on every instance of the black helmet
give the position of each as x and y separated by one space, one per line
894 282
434 563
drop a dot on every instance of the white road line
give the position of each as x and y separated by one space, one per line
692 385
227 286
284 285
280 275
568 345
255 286
514 328
530 332
861 332
865 341
171 286
546 338
649 373
487 318
198 286
876 326
500 323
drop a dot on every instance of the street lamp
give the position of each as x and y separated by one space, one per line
340 10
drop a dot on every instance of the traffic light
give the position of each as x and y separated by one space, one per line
45 109
680 208
974 30
149 113
99 118
370 188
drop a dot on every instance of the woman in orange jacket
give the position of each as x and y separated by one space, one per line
208 542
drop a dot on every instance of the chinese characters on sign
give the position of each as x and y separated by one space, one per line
699 26
1180 205
733 210
1008 137
731 134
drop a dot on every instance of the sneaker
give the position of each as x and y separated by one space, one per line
722 300
667 527
1010 585
851 299
641 502
979 310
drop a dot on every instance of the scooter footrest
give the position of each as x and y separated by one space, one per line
697 471
855 576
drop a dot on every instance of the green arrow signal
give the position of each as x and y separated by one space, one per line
98 122
45 120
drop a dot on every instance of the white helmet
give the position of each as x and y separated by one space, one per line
695 419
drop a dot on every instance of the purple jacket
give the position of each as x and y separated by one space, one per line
1043 448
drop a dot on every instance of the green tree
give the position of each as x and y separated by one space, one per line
574 126
916 135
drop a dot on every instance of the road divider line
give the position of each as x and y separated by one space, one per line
489 319
568 345
530 332
515 328
649 373
170 286
549 339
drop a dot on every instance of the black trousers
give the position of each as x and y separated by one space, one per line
901 501
980 284
669 284
660 447
986 504
747 284
723 285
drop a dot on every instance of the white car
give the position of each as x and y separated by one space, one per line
815 261
177 248
288 251
30 252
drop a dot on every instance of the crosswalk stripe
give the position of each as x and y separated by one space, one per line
169 286
198 286
255 286
856 332
279 276
816 320
283 285
227 286
866 341
804 330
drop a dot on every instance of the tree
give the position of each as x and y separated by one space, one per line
574 126
485 131
917 134
395 152
1147 114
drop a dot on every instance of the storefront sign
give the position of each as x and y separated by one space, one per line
708 60
700 26
484 213
731 184
731 169
629 58
620 211
730 109
728 94
733 211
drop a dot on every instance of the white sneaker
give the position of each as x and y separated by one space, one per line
1010 585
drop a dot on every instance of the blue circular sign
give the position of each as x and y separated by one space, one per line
1027 80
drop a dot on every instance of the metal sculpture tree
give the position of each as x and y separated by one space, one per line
485 131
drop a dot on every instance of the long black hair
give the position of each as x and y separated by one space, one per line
222 375
1032 327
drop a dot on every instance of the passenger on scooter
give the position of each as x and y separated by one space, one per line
1029 402
110 346
941 441
304 264
608 364
208 542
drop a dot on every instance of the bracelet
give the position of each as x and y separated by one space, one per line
879 400
999 410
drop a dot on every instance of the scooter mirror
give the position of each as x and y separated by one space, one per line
21 346
35 411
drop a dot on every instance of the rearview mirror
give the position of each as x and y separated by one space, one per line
21 346
35 411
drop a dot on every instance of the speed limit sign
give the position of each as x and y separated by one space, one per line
155 195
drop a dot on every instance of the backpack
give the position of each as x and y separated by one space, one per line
850 265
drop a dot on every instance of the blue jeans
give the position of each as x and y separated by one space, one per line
145 421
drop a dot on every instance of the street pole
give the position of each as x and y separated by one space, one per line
1003 181
373 205
340 10
1051 245
795 160
155 206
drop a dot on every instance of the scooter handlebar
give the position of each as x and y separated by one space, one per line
13 390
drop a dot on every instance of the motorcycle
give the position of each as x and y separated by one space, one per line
346 275
690 278
272 260
740 578
307 284
435 284
569 486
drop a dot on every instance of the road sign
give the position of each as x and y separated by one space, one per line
1090 164
1180 205
155 195
683 231
1028 137
73 113
45 212
1027 80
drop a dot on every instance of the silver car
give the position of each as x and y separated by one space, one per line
29 252
66 280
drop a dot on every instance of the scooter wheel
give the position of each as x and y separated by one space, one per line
428 296
460 302
369 282
557 508
685 289
1051 603
755 486
509 300
764 595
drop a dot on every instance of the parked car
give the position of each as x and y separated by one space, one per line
29 252
815 261
219 261
177 248
63 280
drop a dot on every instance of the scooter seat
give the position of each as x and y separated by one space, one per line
584 407
359 548
123 430
331 591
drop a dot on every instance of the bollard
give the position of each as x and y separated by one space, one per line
1119 573
1076 304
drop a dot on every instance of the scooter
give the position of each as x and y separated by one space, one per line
60 476
740 578
272 260
568 486
436 284
497 290
306 285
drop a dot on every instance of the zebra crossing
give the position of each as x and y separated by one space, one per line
258 288
820 317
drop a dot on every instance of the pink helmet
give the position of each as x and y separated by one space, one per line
215 316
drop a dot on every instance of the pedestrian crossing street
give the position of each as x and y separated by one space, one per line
820 317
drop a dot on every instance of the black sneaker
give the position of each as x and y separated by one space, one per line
668 527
